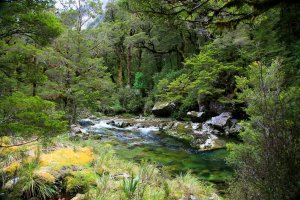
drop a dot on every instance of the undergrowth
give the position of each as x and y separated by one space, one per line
92 168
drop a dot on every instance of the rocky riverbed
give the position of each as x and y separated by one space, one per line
175 145
201 133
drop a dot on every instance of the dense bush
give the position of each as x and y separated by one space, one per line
131 100
267 162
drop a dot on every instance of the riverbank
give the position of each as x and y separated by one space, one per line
90 169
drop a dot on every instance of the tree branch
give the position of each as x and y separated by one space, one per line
20 144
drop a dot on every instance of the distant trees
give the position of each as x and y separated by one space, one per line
79 80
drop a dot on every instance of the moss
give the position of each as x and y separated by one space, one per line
185 138
81 181
67 157
12 168
45 176
5 140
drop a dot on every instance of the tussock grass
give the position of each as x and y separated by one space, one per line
93 169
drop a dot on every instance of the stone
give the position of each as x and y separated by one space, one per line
121 124
198 116
206 142
110 122
93 117
220 121
163 109
75 129
195 126
234 129
86 122
192 197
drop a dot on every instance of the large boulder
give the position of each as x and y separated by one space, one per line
163 109
198 116
221 121
75 129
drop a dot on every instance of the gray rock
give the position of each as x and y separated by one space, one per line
77 132
192 197
221 120
86 122
234 129
75 129
195 126
121 124
111 122
163 109
205 142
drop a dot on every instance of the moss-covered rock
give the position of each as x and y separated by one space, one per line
163 109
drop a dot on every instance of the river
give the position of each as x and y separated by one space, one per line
173 155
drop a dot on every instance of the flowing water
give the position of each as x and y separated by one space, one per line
150 144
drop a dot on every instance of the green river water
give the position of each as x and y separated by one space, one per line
170 153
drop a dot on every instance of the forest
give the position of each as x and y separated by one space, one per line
150 99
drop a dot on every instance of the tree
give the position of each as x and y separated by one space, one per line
29 118
85 81
266 162
27 26
31 19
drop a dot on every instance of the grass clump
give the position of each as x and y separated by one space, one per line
130 186
80 181
92 169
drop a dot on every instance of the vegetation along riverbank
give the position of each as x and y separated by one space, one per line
150 99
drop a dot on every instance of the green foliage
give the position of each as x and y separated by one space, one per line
80 182
130 186
29 185
206 77
29 19
34 187
23 116
270 138
138 81
131 100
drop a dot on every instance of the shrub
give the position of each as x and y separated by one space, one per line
131 100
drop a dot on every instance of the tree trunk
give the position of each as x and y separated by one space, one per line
140 54
129 58
34 86
120 74
74 112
